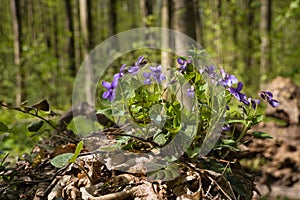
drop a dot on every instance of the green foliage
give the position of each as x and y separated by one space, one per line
165 173
22 131
35 126
66 158
61 160
259 134
149 104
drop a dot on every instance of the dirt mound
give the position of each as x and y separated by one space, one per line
288 95
279 158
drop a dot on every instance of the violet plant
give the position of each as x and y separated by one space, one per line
149 100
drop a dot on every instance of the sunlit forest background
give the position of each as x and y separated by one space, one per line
44 42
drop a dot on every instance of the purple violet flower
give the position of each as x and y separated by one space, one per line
110 94
191 92
237 93
226 127
138 64
121 73
210 71
183 64
268 96
254 102
148 80
155 73
227 79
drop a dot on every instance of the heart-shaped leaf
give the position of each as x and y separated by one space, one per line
35 126
170 172
61 160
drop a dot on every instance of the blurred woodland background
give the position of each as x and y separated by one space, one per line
43 42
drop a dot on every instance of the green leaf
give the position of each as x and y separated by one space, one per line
231 121
160 139
193 152
257 119
61 160
106 111
3 127
77 151
259 134
229 142
170 172
35 126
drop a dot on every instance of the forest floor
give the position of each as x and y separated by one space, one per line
278 160
274 162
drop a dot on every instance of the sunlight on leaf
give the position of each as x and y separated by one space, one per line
77 151
61 160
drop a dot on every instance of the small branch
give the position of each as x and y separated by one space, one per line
32 114
118 132
83 109
118 195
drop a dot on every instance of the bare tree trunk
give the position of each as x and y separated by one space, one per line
184 17
198 22
184 22
249 43
83 9
265 46
234 25
112 17
71 39
113 22
16 23
90 27
166 60
146 9
218 31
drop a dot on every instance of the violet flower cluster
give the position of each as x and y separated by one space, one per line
222 78
155 74
110 94
228 80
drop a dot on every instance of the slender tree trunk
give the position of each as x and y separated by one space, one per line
16 24
184 22
146 9
113 22
166 23
249 40
265 46
77 34
198 22
112 17
56 37
83 9
132 9
31 20
235 41
218 31
90 27
71 39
